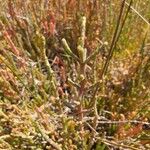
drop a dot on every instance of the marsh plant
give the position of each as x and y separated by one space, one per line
74 75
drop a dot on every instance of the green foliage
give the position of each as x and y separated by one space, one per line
74 75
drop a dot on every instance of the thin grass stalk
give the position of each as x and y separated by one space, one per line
134 10
123 23
141 51
104 69
110 53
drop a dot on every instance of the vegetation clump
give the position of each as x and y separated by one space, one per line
74 75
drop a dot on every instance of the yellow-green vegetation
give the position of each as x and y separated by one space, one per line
74 75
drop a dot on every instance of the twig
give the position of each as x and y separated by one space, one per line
108 142
114 144
125 121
